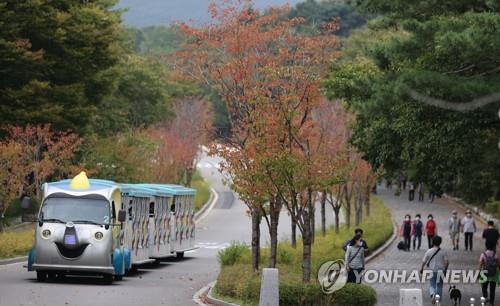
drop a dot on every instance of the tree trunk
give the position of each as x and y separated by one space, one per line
336 210
256 218
323 213
273 231
312 216
307 240
367 202
347 207
189 176
358 206
294 224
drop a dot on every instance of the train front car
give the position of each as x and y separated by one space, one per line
77 231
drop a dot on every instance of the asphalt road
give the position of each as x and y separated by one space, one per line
173 282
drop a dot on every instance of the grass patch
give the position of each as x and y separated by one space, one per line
202 191
493 208
237 282
16 243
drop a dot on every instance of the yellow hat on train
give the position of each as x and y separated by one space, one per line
80 182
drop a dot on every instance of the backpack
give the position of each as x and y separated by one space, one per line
401 245
344 246
490 265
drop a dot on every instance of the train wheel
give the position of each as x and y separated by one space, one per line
41 276
180 255
51 276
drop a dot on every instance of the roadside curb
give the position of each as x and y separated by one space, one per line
204 297
386 245
9 261
207 207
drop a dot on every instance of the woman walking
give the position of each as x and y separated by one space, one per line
406 231
355 260
430 229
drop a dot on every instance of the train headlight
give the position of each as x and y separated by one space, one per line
98 235
46 233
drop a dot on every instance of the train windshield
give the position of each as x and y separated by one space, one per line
77 210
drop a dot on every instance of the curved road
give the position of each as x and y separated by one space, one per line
173 282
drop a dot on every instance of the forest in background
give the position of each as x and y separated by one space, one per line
78 68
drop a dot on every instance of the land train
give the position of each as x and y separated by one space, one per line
100 227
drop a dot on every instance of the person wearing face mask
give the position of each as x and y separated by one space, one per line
454 229
430 229
416 232
406 229
468 228
355 260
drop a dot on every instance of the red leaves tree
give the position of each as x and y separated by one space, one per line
268 76
179 141
35 154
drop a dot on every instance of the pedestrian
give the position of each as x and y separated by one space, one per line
357 231
490 236
421 192
411 193
405 179
454 229
417 231
430 229
436 260
488 265
355 260
406 229
468 228
431 196
388 183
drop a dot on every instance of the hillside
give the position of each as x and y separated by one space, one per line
142 13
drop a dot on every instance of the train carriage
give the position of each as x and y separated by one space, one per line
181 218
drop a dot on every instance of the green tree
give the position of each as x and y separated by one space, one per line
156 40
444 50
53 55
317 13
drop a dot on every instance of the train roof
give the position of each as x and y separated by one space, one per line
81 185
96 187
172 189
135 190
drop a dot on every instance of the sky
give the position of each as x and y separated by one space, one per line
142 13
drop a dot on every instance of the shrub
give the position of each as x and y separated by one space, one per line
238 281
16 243
354 295
231 255
493 208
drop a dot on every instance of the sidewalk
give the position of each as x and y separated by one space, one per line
392 258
